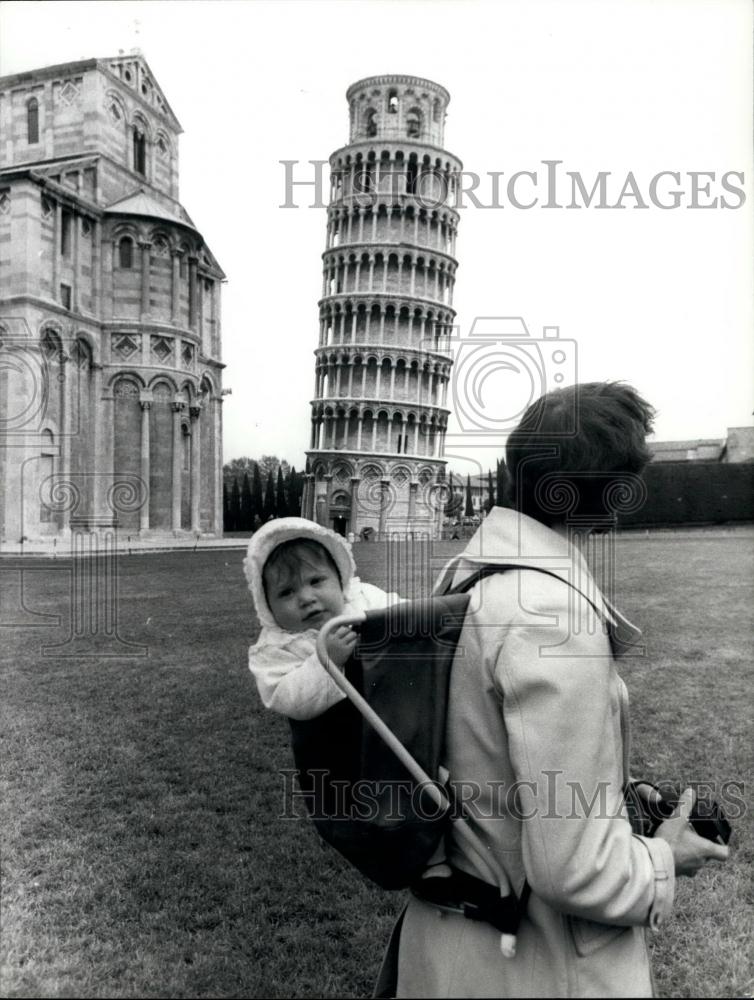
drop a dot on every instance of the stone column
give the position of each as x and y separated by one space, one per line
217 480
192 319
196 452
374 431
144 309
176 477
96 235
350 379
392 380
76 223
360 426
346 430
144 510
200 309
56 229
106 283
102 430
416 437
64 469
175 286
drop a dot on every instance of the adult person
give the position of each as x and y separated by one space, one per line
536 706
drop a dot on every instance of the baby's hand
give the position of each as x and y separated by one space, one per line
340 644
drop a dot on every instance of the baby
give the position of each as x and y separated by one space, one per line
300 576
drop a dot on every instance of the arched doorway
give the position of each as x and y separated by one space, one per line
340 512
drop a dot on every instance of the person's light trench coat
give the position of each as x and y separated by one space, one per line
537 706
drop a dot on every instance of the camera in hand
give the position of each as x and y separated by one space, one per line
707 816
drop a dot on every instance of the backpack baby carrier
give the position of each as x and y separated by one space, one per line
369 768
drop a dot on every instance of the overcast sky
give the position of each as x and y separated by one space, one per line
659 297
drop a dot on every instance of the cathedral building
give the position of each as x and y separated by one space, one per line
110 371
385 318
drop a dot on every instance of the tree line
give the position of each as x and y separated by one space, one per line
254 491
497 493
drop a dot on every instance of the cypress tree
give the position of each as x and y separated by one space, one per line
235 506
246 515
469 512
257 503
268 507
281 505
295 492
227 520
503 499
490 492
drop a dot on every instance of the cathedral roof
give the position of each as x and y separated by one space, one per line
141 203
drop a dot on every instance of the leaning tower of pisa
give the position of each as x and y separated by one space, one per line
385 317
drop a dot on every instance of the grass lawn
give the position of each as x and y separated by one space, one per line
143 849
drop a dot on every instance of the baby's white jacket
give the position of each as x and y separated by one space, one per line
290 679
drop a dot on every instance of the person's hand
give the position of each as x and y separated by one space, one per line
341 643
690 851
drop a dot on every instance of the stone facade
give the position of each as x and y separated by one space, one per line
110 371
383 364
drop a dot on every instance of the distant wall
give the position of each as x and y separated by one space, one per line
698 492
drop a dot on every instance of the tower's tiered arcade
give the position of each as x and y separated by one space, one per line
382 365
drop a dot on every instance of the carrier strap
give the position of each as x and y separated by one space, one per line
475 899
492 569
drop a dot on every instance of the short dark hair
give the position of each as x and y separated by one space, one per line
573 446
288 557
